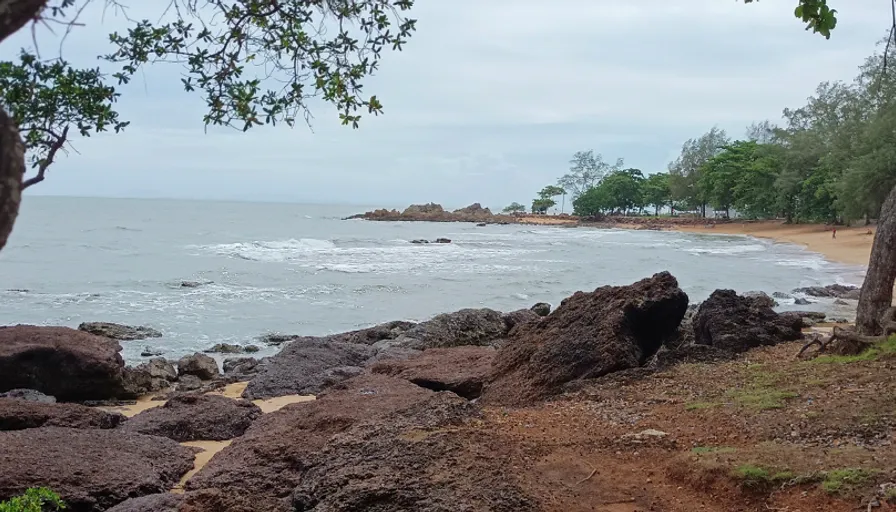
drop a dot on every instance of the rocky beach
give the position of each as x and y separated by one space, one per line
622 398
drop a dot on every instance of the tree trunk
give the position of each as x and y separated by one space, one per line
877 291
12 169
15 14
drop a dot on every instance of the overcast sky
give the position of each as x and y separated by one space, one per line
487 103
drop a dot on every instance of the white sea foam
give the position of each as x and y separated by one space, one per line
727 249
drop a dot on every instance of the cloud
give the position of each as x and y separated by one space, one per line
487 103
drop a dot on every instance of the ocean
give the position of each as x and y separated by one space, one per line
300 269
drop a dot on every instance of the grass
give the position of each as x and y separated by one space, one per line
694 406
700 450
886 348
845 481
760 477
761 390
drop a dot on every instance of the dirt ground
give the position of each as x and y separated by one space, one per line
764 432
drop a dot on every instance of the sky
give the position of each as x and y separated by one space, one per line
487 103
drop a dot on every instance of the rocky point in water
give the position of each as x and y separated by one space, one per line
118 331
590 334
433 212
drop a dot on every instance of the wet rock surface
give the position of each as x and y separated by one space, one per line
479 327
68 364
261 468
92 470
461 370
21 414
839 291
240 367
736 324
196 418
589 335
151 376
119 331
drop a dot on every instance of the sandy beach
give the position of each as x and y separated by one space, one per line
852 245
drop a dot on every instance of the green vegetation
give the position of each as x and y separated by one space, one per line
830 160
38 499
845 481
696 406
887 348
702 450
514 208
758 477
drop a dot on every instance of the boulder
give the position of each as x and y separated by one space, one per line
196 418
200 365
839 291
465 327
442 241
461 370
761 299
418 459
29 395
151 352
782 295
302 367
736 324
423 211
276 339
261 468
91 470
589 335
520 316
189 383
20 414
240 366
118 331
799 301
541 309
225 348
151 376
68 364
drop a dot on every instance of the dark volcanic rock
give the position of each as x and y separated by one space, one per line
240 366
225 348
668 356
200 365
782 295
371 335
276 339
29 395
520 316
92 470
118 331
153 503
189 383
68 364
838 291
260 469
542 309
799 301
761 299
461 370
736 324
302 367
396 465
465 327
591 334
196 418
151 376
151 352
21 414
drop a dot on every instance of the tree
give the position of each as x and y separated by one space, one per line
594 201
656 191
214 43
586 170
542 205
686 170
514 208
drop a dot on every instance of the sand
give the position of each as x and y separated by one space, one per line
852 245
